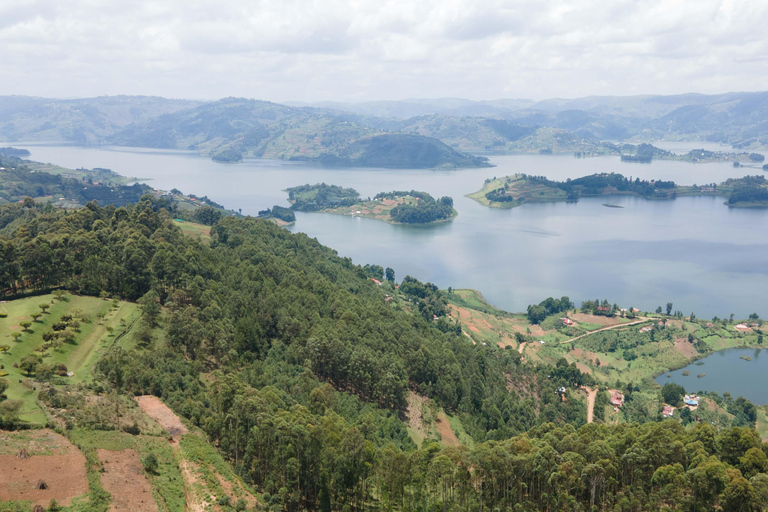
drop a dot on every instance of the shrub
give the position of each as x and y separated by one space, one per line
150 463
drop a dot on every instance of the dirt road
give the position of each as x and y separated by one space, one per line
591 394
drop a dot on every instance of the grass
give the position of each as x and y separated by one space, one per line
198 231
523 190
458 429
90 341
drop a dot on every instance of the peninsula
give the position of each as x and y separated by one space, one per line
518 189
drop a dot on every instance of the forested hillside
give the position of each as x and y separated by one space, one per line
299 367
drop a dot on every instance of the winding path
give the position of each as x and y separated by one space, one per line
608 328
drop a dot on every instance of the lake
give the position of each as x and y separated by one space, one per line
695 252
726 371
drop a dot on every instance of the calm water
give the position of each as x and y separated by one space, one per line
726 371
694 252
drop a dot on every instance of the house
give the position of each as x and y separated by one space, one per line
691 400
646 329
742 327
617 399
567 321
668 411
709 324
603 308
541 341
376 281
635 310
661 324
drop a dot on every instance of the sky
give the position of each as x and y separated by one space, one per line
364 50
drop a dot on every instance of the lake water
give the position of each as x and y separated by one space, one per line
695 252
726 371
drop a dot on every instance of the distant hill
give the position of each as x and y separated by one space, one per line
82 121
270 130
345 133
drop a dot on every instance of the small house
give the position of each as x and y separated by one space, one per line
742 327
668 411
567 321
541 341
646 329
376 281
691 400
617 399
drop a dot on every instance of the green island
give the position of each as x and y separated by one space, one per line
518 189
238 366
396 207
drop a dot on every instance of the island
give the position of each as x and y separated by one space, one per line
518 189
280 215
228 156
396 207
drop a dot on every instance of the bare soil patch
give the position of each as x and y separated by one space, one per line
446 432
158 411
595 319
415 418
195 502
685 348
124 479
237 491
63 473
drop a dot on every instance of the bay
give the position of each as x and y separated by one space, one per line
726 371
695 252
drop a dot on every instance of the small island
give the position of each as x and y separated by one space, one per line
280 215
512 191
396 207
228 156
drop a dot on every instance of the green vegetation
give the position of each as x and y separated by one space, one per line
280 214
401 207
425 210
311 198
512 191
228 156
301 370
9 151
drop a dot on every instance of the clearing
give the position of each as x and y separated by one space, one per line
123 477
52 459
158 411
447 436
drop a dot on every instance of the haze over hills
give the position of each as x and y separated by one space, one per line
443 132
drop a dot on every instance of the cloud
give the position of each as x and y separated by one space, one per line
357 50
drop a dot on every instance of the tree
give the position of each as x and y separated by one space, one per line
672 393
112 368
36 316
390 275
44 306
4 384
26 324
29 364
669 308
150 463
658 310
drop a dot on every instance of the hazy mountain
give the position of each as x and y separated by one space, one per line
270 130
83 121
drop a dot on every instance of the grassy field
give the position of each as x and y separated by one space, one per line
198 231
104 321
521 189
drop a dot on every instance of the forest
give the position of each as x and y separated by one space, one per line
309 368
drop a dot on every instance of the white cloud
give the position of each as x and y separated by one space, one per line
388 49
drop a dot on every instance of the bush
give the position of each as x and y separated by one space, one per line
150 463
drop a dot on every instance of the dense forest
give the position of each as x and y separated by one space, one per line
427 208
310 198
309 367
